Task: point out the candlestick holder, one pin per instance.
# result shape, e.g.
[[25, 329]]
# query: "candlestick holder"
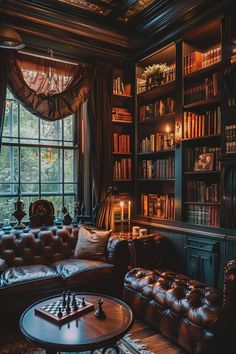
[[129, 228], [122, 227]]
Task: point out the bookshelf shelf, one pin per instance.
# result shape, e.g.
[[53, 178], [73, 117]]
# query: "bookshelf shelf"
[[155, 179], [202, 139], [122, 153], [204, 71], [155, 153], [209, 101], [201, 203], [158, 91], [201, 173], [121, 122], [155, 120], [123, 180], [122, 97]]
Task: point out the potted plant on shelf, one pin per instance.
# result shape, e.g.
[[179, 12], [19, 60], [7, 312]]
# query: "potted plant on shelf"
[[155, 74]]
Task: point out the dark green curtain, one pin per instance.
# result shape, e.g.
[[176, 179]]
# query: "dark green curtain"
[[3, 86], [100, 128]]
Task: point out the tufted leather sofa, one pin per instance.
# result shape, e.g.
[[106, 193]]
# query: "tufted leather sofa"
[[40, 263], [187, 312]]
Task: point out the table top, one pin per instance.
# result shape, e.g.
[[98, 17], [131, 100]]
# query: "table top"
[[85, 332]]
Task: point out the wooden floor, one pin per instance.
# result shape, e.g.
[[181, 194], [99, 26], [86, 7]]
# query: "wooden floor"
[[154, 342]]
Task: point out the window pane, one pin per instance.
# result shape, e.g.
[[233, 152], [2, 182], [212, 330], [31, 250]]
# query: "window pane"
[[51, 132], [57, 203], [10, 128], [29, 126], [70, 188], [69, 203], [51, 165], [29, 164], [68, 128], [51, 188], [7, 208], [69, 165], [29, 188], [8, 168]]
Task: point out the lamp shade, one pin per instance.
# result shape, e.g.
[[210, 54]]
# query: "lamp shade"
[[10, 39]]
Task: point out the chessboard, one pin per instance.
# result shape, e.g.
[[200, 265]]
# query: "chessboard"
[[62, 310]]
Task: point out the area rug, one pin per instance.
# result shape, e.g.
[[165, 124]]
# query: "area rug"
[[127, 345]]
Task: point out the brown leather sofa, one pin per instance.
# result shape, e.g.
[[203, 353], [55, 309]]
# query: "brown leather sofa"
[[188, 313], [40, 263]]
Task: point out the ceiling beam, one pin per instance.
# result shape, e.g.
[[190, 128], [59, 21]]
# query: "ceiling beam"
[[124, 5]]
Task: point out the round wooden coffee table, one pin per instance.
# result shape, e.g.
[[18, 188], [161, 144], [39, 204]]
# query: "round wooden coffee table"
[[85, 332]]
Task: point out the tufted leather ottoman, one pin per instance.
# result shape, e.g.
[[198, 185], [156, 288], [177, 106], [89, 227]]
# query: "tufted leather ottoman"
[[185, 311]]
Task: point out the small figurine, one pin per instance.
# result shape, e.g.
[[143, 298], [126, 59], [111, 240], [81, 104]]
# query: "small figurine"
[[67, 219], [100, 313]]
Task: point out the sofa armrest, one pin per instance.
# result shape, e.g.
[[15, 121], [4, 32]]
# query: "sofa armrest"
[[118, 252]]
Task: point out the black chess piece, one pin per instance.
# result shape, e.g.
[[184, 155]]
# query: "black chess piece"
[[59, 313], [64, 299], [68, 309], [73, 300], [83, 303], [99, 312], [75, 306], [68, 296]]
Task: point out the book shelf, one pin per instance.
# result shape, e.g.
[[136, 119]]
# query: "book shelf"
[[202, 125], [155, 144]]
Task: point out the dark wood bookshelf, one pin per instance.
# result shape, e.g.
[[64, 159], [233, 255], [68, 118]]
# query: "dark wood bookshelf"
[[158, 119], [201, 173], [123, 180], [208, 102], [158, 91], [122, 153], [204, 71], [202, 139], [155, 153], [202, 203], [155, 179], [121, 122]]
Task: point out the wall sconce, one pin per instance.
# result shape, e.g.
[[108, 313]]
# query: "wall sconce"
[[173, 139], [10, 39]]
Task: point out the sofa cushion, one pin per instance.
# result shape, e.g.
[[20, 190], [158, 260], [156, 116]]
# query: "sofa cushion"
[[82, 272], [91, 244], [17, 276]]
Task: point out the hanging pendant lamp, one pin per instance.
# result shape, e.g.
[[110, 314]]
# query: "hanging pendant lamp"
[[10, 39]]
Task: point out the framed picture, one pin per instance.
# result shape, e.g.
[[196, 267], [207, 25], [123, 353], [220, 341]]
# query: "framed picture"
[[204, 162]]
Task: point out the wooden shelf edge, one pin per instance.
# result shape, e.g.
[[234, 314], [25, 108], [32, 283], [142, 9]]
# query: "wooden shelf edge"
[[202, 71], [202, 203], [157, 118], [154, 152], [190, 173], [122, 121], [158, 90], [181, 227], [155, 179], [212, 100], [199, 138]]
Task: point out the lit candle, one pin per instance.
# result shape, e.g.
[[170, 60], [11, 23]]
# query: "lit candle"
[[167, 128], [122, 211], [129, 209]]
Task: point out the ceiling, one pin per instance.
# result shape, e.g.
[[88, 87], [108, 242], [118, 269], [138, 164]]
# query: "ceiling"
[[115, 30]]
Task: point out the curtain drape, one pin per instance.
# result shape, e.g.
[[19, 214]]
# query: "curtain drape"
[[3, 84], [100, 127], [42, 92]]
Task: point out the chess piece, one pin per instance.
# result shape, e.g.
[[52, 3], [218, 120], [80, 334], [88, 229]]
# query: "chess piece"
[[68, 309], [83, 302], [59, 313], [19, 212], [67, 219], [100, 313], [64, 299], [68, 296]]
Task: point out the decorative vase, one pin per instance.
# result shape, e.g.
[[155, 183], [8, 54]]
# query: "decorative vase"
[[19, 212]]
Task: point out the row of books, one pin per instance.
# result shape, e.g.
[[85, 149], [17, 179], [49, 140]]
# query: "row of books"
[[192, 155], [121, 114], [203, 215], [203, 89], [121, 143], [158, 206], [230, 138], [157, 142], [118, 86], [122, 169], [160, 169], [159, 108], [168, 75], [197, 60], [203, 192], [206, 123]]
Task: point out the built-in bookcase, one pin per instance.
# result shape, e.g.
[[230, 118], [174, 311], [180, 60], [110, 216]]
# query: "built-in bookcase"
[[155, 148]]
